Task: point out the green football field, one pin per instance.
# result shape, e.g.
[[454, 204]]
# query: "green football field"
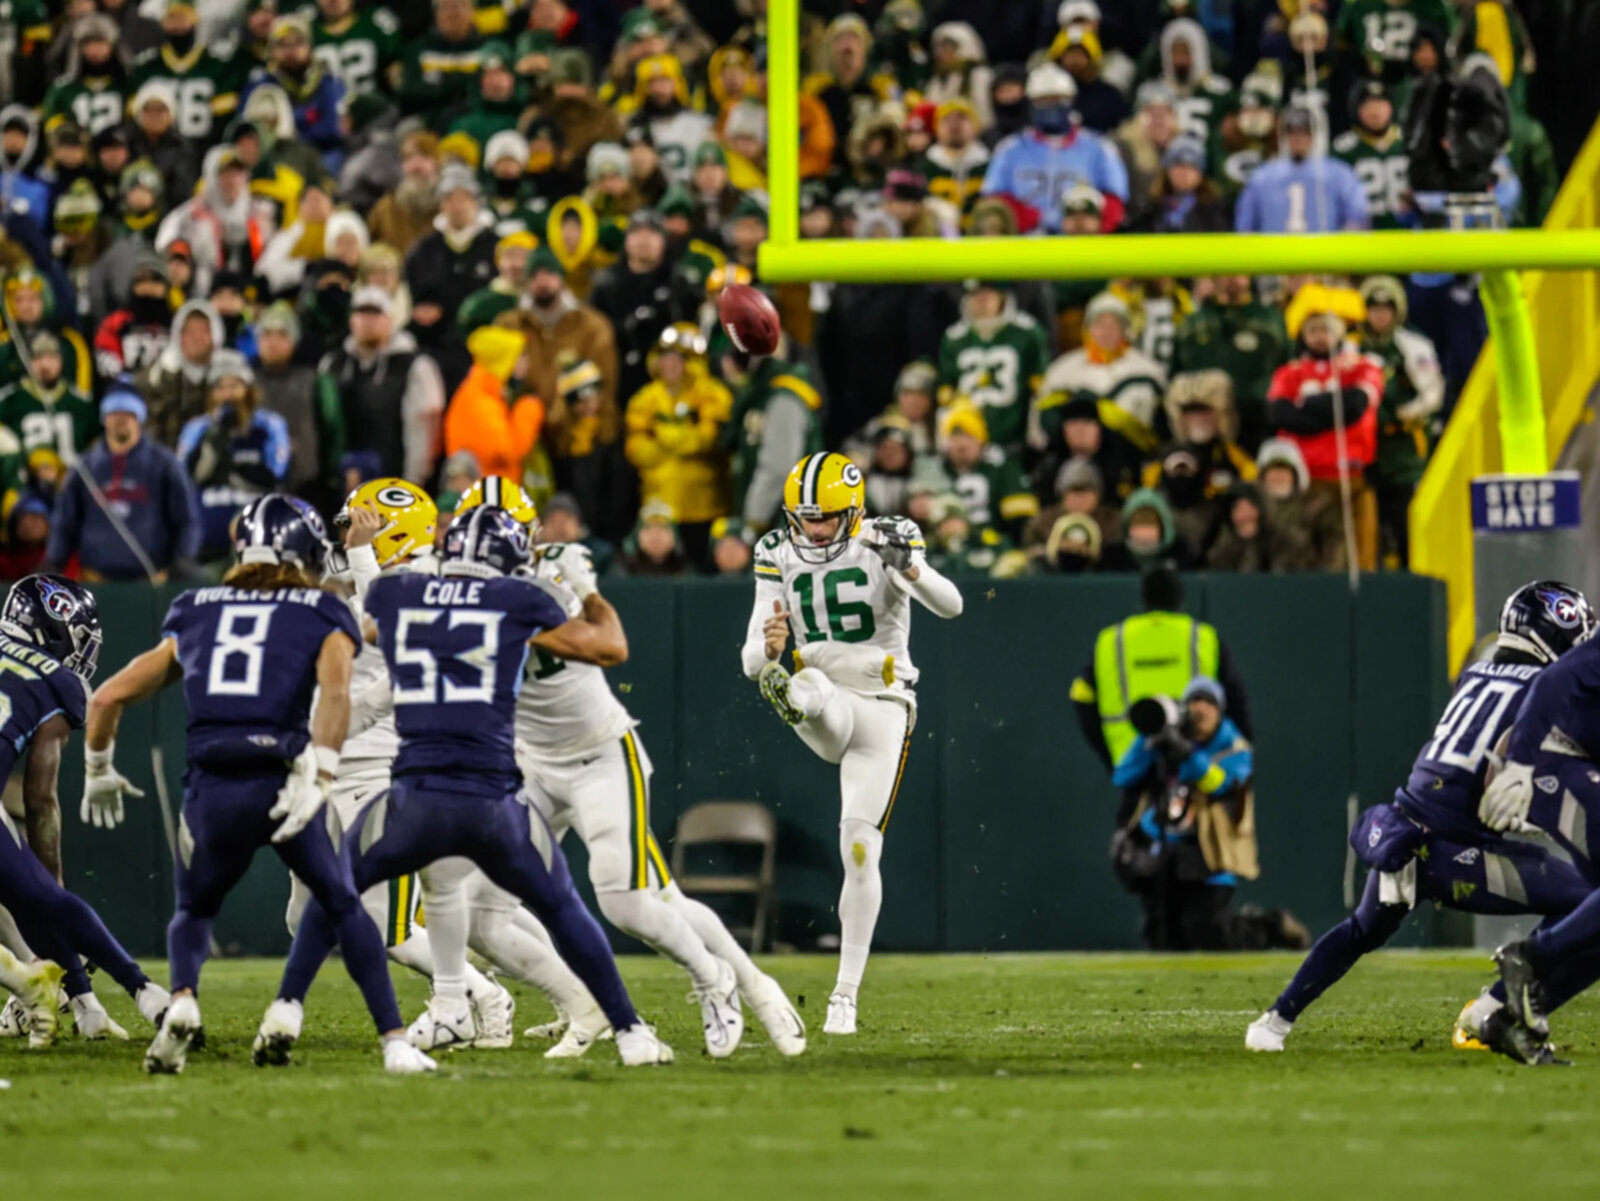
[[973, 1077]]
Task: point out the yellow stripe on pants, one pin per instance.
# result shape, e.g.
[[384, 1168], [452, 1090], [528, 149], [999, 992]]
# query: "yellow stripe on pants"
[[899, 774], [641, 813]]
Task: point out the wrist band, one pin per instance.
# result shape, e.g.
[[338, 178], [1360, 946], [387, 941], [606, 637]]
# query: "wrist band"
[[98, 762], [327, 760]]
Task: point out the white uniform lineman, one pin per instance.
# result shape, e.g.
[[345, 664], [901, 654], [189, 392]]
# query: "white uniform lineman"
[[844, 595], [587, 771]]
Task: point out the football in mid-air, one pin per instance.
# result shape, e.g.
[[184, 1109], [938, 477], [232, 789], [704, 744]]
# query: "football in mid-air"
[[749, 318]]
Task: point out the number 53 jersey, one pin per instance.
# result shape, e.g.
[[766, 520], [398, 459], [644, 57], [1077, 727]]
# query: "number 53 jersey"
[[249, 664], [850, 617]]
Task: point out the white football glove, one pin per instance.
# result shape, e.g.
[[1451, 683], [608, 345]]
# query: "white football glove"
[[895, 540], [574, 567], [1505, 802], [103, 786], [301, 798]]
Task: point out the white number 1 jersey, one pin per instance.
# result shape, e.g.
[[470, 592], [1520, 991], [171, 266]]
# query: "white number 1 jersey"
[[852, 601]]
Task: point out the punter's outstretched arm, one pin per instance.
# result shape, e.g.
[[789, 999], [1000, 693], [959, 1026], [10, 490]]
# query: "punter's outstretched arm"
[[936, 591]]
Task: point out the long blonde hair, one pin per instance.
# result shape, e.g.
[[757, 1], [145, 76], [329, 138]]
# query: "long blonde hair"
[[269, 577]]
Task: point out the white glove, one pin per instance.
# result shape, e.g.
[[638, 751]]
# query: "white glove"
[[103, 787], [895, 540], [573, 566], [301, 798], [1505, 802]]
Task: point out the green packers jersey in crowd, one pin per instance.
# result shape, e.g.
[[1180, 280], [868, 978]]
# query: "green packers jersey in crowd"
[[95, 104], [62, 419], [1383, 30], [207, 81], [998, 374], [1200, 114], [436, 73], [359, 49], [995, 492], [1382, 166]]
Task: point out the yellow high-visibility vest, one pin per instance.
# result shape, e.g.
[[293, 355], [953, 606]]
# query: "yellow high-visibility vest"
[[1152, 654]]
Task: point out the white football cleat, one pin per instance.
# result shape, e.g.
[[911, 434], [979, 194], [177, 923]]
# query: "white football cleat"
[[548, 1031], [781, 1019], [583, 1031], [1267, 1032], [841, 1015], [92, 1020], [446, 1023], [13, 1019], [495, 1016], [40, 997], [720, 1015], [152, 1001], [639, 1047], [279, 1031], [401, 1058], [169, 1051]]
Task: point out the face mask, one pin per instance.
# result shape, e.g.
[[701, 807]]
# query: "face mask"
[[334, 301], [1010, 115], [507, 188], [150, 310], [1052, 119], [231, 326], [1184, 490], [182, 43]]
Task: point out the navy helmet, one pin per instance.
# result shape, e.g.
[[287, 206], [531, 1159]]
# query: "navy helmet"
[[485, 541], [57, 615], [281, 529], [1545, 619]]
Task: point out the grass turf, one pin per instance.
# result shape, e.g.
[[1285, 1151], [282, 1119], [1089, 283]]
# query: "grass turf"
[[973, 1077]]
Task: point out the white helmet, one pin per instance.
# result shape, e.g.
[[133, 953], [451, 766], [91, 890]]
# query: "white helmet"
[[1048, 81]]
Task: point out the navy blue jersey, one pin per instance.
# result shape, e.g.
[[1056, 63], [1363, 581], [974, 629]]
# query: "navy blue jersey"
[[34, 687], [456, 648], [1562, 711], [1446, 780], [249, 664]]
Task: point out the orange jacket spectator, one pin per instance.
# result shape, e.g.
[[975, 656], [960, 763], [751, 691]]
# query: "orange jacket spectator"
[[481, 418]]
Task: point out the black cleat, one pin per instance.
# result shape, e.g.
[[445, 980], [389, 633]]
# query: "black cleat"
[[1506, 1036], [1524, 993]]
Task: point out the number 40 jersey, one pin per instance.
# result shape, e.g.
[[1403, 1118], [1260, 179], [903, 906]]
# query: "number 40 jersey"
[[850, 601], [1447, 779]]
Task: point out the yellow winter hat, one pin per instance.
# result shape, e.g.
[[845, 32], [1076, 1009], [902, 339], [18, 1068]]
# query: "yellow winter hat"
[[496, 349], [961, 414]]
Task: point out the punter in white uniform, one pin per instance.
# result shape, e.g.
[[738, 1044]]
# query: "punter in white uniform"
[[844, 593], [587, 771]]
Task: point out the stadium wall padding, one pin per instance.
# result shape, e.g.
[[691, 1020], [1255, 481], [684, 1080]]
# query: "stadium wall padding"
[[998, 838]]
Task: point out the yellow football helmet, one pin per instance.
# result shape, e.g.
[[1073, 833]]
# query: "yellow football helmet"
[[822, 486], [510, 496], [409, 518]]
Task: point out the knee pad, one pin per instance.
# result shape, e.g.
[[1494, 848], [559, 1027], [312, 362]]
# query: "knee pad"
[[860, 846], [810, 691]]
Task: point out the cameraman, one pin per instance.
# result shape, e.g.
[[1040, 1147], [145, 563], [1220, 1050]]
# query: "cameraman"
[[235, 452], [1187, 833]]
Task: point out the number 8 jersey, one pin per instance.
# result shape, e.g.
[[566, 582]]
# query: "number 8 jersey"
[[249, 664], [850, 602]]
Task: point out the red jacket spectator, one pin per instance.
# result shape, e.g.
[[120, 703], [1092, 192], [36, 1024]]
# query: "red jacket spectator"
[[1300, 404]]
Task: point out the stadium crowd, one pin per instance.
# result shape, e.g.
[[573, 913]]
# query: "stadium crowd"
[[251, 246]]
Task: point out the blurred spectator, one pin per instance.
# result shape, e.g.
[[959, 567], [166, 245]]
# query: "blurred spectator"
[[1084, 15], [960, 70], [438, 69], [774, 421], [228, 298], [955, 163], [1244, 542], [1304, 191], [1101, 105], [1008, 100], [845, 88], [1077, 426], [459, 472], [504, 292], [1074, 545], [1413, 392], [316, 93], [1032, 170], [1109, 366], [730, 553], [1201, 462], [31, 309], [389, 391], [1078, 489], [906, 200], [25, 510], [674, 439], [1143, 138], [1235, 333], [496, 102], [402, 217], [175, 384], [1376, 150], [457, 258], [561, 520], [891, 466], [662, 110], [1308, 528], [641, 297], [1456, 127], [93, 88], [488, 414], [1183, 200], [154, 137], [1249, 136], [995, 356], [580, 116], [557, 324], [218, 224], [588, 452], [1381, 32], [1149, 536], [140, 194], [235, 451], [147, 498], [958, 546], [1327, 386], [44, 410], [314, 417], [653, 548], [992, 487], [132, 337], [1203, 96]]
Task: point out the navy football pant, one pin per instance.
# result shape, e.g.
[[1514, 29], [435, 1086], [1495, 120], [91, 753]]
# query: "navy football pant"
[[1567, 953], [58, 925], [1499, 876], [423, 819], [224, 824]]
